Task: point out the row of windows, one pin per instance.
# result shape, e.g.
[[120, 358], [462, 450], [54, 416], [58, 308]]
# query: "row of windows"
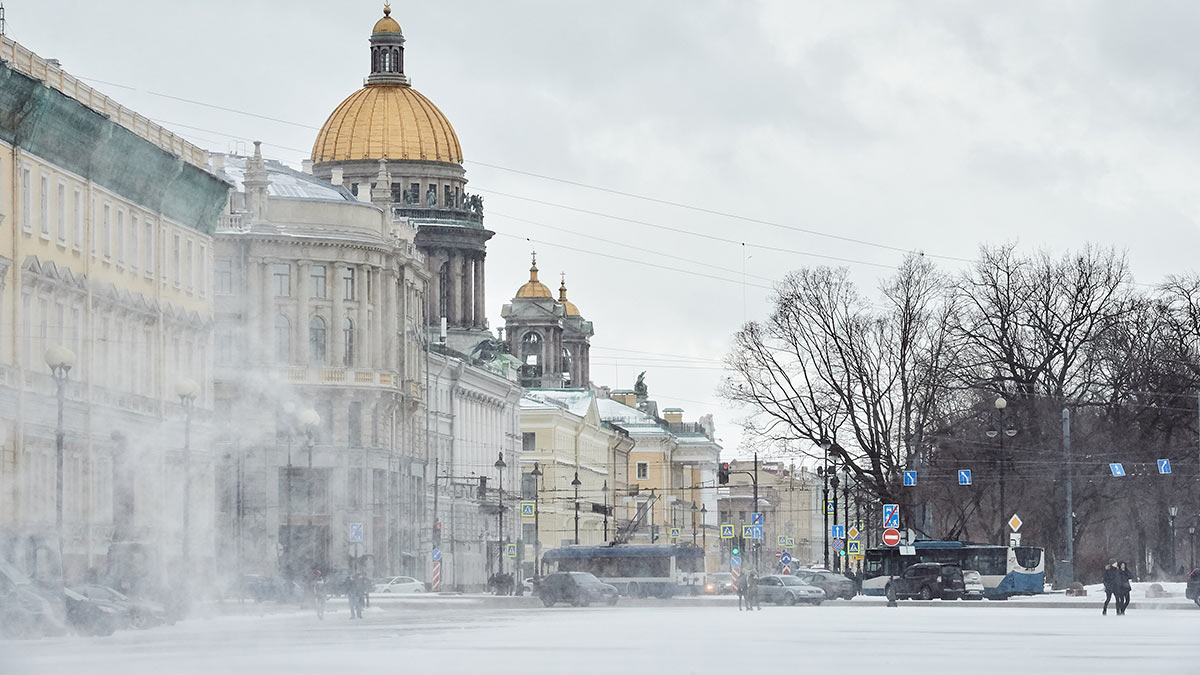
[[117, 235], [281, 280], [318, 342]]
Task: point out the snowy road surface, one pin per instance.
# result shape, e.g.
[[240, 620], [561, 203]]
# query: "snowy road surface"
[[974, 639]]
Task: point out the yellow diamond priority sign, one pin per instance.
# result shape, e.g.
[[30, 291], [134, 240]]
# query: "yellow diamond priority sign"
[[1015, 522], [852, 532]]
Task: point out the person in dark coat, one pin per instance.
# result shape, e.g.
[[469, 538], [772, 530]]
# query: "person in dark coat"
[[1124, 586], [1112, 581], [742, 586]]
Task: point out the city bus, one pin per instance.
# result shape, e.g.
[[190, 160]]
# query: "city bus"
[[637, 570], [1005, 571]]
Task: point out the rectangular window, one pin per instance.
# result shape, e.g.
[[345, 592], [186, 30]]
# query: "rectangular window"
[[316, 280], [176, 270], [93, 228], [26, 200], [281, 276], [528, 486], [528, 441], [148, 373], [354, 425], [133, 241], [203, 263], [26, 332], [367, 277], [61, 215], [222, 276], [149, 244], [189, 263], [354, 480], [120, 237], [77, 334], [643, 470], [106, 232], [44, 203], [77, 220], [223, 353], [348, 283]]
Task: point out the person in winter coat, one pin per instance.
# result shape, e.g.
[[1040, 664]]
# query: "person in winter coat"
[[743, 592], [1112, 582], [1124, 586]]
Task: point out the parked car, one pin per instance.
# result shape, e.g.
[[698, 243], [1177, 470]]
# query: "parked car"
[[927, 581], [398, 585], [1193, 586], [835, 585], [719, 583], [972, 585], [578, 588], [530, 584], [273, 589], [90, 617], [133, 613], [785, 589]]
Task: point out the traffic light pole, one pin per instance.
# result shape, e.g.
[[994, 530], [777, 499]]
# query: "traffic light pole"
[[723, 478]]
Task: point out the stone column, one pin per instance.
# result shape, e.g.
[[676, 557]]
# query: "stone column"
[[362, 349], [454, 312], [300, 330], [468, 291], [480, 305], [390, 315], [269, 313], [434, 293], [333, 336]]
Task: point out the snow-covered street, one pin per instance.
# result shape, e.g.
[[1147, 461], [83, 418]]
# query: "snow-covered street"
[[985, 638]]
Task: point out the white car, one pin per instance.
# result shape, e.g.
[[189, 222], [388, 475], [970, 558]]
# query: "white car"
[[398, 585], [972, 585]]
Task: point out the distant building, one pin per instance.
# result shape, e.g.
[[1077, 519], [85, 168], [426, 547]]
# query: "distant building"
[[789, 499], [549, 337], [107, 252]]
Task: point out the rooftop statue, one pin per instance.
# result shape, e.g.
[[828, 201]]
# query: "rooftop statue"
[[639, 387]]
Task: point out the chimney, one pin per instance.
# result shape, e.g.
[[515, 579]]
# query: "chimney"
[[673, 415], [336, 178], [306, 166], [218, 162], [625, 397]]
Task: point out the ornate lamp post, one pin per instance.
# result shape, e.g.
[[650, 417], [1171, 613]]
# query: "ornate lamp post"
[[1009, 431], [310, 420], [604, 491], [704, 534], [575, 483], [1171, 513], [500, 511], [823, 472], [187, 389], [694, 510], [1192, 536], [60, 359], [537, 530], [833, 482]]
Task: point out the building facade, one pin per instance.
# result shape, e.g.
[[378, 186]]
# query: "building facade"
[[550, 337], [789, 499], [107, 253]]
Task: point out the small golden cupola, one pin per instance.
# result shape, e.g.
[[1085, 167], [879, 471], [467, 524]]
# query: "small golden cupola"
[[534, 288], [568, 306]]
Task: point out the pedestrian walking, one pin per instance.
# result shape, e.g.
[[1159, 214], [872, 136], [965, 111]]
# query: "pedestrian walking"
[[319, 594], [356, 595], [1112, 582], [1124, 586], [752, 593], [742, 592]]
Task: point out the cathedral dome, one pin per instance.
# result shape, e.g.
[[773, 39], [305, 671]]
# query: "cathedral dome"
[[387, 121], [387, 118], [534, 288]]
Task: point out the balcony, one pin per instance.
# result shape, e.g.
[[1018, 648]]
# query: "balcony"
[[436, 215], [338, 376]]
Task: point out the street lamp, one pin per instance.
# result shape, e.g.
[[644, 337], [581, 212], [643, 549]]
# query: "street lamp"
[[694, 524], [187, 390], [1009, 431], [500, 511], [604, 491], [537, 530], [704, 533], [1192, 536], [823, 472], [60, 359], [309, 421], [1171, 513], [575, 483], [833, 483]]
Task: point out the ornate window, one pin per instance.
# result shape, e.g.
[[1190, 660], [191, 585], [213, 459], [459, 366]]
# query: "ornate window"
[[531, 355], [283, 339], [316, 340], [281, 278], [317, 280], [444, 290], [348, 340]]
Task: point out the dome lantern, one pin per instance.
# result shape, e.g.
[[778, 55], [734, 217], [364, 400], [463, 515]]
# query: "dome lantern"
[[568, 307], [387, 51], [534, 288]]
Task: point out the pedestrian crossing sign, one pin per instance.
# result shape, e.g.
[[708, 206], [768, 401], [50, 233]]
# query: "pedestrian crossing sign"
[[727, 531], [674, 532], [791, 541], [782, 540], [828, 507], [747, 532], [511, 550], [853, 547], [527, 509]]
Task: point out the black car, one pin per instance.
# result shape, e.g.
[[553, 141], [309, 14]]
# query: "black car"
[[133, 613], [578, 588], [927, 581], [835, 585], [1193, 586]]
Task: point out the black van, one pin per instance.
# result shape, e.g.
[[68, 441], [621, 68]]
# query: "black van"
[[926, 581]]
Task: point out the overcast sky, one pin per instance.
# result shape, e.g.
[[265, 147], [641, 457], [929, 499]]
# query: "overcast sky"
[[935, 126]]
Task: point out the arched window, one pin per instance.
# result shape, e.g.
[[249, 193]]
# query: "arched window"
[[531, 355], [566, 365], [444, 290], [316, 340], [283, 339], [348, 340]]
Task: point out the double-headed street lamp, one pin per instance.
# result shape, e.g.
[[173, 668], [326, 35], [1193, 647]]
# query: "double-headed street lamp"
[[694, 510], [309, 421], [704, 530], [604, 491], [500, 511], [60, 359], [576, 483], [187, 389], [1009, 431], [537, 530], [1171, 513]]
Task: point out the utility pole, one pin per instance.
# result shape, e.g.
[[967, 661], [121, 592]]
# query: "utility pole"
[[1067, 574], [757, 544]]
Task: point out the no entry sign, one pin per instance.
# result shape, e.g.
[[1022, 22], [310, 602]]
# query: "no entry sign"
[[891, 537]]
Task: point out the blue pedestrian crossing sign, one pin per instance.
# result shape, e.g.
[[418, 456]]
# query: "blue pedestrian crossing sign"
[[1117, 469], [356, 533], [752, 532], [910, 479], [791, 541], [527, 509], [837, 531], [854, 547], [829, 507], [727, 531], [510, 550], [891, 515], [756, 519], [1164, 466], [964, 476], [786, 558], [781, 540], [674, 532]]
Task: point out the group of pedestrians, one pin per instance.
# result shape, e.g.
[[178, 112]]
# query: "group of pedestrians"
[[358, 593], [1117, 584], [747, 592]]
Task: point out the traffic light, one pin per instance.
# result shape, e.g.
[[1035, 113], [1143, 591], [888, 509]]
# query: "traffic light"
[[736, 550], [723, 473], [482, 488], [437, 533]]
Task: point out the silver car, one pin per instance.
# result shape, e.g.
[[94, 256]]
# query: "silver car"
[[784, 589]]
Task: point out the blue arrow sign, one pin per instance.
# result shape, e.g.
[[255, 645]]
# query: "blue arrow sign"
[[891, 515], [1117, 469], [910, 479], [437, 555], [786, 558], [756, 531], [1164, 466], [964, 476], [735, 561], [837, 531]]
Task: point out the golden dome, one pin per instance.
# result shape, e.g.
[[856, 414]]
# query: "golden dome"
[[534, 288], [387, 121], [387, 24], [568, 306]]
